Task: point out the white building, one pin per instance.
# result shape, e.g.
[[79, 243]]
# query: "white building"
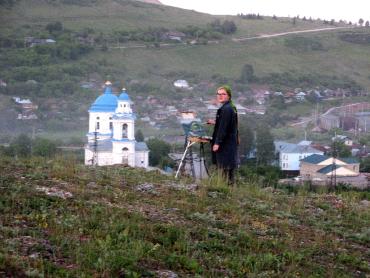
[[181, 84], [290, 154], [111, 136]]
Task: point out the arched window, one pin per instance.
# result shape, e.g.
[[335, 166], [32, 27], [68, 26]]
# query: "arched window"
[[124, 131], [97, 125]]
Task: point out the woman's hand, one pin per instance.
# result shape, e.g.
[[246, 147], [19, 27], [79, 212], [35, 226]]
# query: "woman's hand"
[[211, 122], [215, 147]]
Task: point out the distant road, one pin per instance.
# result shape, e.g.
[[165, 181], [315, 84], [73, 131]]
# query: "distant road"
[[262, 36]]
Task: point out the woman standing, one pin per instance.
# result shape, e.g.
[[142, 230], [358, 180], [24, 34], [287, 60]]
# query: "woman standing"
[[224, 141]]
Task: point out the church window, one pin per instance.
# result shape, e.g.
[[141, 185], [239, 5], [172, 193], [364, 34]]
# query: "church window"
[[124, 131], [110, 125], [97, 125], [97, 118], [124, 105]]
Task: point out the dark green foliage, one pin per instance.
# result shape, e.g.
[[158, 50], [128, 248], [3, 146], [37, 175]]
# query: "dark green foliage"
[[139, 136], [44, 147], [252, 16], [227, 27], [54, 27], [289, 80], [357, 38], [246, 137], [247, 73], [339, 149], [22, 146], [365, 165], [158, 151], [264, 145]]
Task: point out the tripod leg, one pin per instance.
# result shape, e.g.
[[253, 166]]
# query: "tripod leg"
[[189, 144]]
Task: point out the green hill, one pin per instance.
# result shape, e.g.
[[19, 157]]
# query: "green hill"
[[61, 219], [122, 40]]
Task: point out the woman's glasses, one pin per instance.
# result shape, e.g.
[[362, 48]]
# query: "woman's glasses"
[[221, 94]]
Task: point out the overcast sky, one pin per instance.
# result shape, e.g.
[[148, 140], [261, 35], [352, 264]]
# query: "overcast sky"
[[350, 10]]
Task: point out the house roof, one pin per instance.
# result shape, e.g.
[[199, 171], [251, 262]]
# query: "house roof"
[[328, 169], [141, 146], [294, 148], [349, 160], [315, 158]]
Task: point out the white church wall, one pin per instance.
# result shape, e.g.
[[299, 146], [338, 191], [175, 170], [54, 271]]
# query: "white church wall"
[[141, 159], [103, 118], [117, 129], [103, 158]]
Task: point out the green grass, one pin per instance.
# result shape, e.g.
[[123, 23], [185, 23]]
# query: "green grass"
[[108, 228]]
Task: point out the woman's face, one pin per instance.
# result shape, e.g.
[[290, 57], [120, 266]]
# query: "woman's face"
[[222, 96]]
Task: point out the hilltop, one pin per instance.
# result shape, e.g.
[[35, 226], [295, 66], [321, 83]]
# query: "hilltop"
[[59, 218], [129, 43]]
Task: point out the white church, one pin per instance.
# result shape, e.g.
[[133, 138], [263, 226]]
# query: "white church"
[[111, 136]]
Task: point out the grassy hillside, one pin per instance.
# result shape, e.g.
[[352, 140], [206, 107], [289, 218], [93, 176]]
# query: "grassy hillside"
[[61, 219], [306, 60]]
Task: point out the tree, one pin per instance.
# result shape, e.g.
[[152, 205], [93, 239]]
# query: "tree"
[[139, 136], [44, 147], [54, 27], [246, 138], [22, 145], [265, 149], [247, 73], [339, 149], [228, 27], [365, 165], [361, 21], [158, 151]]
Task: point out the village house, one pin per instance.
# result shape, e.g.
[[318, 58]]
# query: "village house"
[[289, 155], [31, 41], [322, 167], [28, 109], [182, 84], [301, 96], [344, 139], [174, 36]]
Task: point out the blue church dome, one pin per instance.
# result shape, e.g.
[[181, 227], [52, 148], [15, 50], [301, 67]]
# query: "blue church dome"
[[107, 102], [124, 96]]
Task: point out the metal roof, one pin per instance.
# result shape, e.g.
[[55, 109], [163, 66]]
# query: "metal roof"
[[107, 102], [141, 146], [329, 168], [315, 158]]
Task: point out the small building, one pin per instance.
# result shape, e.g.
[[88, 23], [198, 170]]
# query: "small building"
[[174, 36], [318, 166], [290, 155], [183, 84], [301, 96]]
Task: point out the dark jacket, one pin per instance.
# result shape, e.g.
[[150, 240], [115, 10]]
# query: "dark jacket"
[[225, 135]]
